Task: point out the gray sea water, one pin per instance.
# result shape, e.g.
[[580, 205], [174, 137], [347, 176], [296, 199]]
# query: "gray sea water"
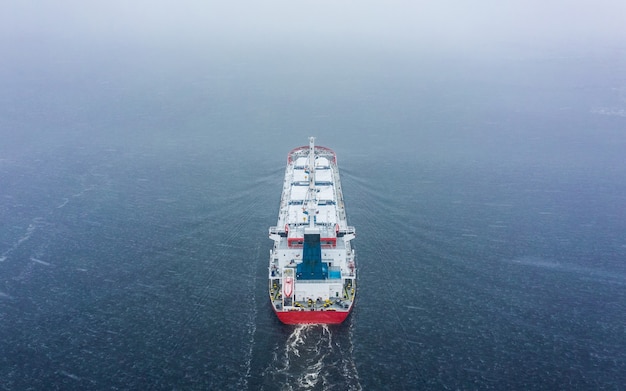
[[488, 193]]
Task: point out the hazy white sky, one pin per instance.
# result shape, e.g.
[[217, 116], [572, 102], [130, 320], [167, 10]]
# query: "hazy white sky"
[[445, 23]]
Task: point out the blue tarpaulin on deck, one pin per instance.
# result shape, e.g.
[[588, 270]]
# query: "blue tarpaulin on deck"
[[312, 267]]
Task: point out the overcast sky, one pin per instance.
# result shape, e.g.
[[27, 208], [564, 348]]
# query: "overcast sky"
[[442, 23]]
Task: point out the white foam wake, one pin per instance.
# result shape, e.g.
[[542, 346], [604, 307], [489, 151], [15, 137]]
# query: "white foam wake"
[[312, 357], [296, 339]]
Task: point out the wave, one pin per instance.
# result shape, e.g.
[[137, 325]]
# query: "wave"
[[39, 261], [5, 296], [549, 264], [30, 230], [315, 357], [614, 111]]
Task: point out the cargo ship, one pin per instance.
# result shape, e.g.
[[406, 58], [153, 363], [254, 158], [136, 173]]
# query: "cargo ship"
[[312, 270]]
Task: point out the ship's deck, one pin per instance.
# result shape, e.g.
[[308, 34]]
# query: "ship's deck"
[[332, 288]]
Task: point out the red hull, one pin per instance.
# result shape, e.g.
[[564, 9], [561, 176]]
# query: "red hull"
[[312, 317]]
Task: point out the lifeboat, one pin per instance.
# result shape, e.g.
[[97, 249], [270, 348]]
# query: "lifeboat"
[[288, 286]]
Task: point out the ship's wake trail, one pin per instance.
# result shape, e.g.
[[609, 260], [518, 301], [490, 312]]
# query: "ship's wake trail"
[[314, 357]]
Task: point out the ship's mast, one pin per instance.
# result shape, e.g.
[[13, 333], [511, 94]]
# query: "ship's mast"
[[312, 193]]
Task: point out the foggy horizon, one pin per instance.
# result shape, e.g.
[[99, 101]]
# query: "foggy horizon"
[[450, 27]]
